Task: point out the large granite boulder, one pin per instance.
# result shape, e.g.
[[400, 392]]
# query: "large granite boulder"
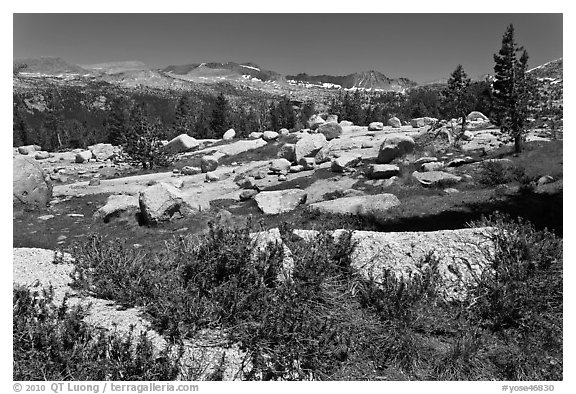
[[28, 149], [467, 135], [376, 126], [41, 155], [332, 118], [83, 157], [280, 201], [190, 170], [280, 165], [180, 144], [209, 163], [476, 116], [160, 202], [309, 145], [345, 162], [436, 178], [247, 194], [270, 135], [315, 121], [229, 135], [102, 152], [394, 122], [425, 159], [432, 166], [118, 206], [31, 187], [330, 130], [393, 147], [288, 152], [307, 163], [421, 122], [382, 171]]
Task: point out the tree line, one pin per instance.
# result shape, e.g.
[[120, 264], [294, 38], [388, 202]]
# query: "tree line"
[[57, 126]]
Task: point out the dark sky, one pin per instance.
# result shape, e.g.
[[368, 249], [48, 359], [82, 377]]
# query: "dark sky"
[[422, 47]]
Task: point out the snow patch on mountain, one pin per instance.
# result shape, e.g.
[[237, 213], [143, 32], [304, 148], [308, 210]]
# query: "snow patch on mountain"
[[253, 68]]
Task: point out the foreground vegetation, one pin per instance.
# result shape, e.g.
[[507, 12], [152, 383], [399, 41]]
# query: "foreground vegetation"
[[324, 323]]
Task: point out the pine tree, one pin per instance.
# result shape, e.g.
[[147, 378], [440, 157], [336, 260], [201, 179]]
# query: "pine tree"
[[52, 123], [183, 117], [352, 108], [143, 140], [252, 121], [282, 114], [335, 107], [219, 122], [20, 135], [118, 121], [458, 94], [510, 88], [202, 126]]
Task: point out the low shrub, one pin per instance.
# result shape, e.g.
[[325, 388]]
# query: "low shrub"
[[325, 320], [493, 173], [520, 297], [52, 342]]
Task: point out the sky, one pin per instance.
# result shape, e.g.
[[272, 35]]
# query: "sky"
[[422, 47]]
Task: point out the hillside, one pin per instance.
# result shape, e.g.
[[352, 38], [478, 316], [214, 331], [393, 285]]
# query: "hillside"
[[49, 66], [116, 67], [552, 70], [369, 80], [226, 70]]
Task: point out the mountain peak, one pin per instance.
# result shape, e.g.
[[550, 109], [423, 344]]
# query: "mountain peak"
[[49, 65]]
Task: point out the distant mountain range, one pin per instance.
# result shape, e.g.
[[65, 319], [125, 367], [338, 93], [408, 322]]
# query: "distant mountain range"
[[248, 75]]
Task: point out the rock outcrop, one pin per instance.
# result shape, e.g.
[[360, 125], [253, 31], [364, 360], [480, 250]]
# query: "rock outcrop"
[[358, 205], [31, 187], [280, 201], [461, 255]]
